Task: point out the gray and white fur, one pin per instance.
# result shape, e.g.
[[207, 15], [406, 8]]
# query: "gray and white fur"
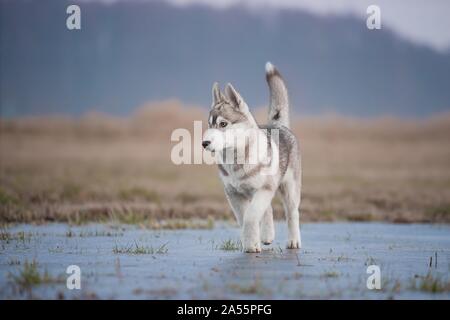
[[250, 186]]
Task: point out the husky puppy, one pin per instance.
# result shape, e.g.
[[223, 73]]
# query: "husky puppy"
[[251, 185]]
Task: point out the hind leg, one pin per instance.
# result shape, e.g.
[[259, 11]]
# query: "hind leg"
[[267, 227], [290, 191]]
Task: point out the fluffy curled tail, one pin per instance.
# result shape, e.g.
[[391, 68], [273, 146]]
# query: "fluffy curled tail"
[[279, 101]]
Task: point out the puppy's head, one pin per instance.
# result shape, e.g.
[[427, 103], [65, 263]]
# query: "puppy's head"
[[228, 119]]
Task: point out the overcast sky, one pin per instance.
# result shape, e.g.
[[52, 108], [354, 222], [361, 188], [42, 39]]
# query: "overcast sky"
[[422, 21]]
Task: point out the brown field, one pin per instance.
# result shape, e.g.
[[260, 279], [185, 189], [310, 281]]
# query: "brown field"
[[101, 168]]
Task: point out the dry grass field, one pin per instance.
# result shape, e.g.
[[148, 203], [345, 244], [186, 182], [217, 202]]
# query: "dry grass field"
[[102, 168]]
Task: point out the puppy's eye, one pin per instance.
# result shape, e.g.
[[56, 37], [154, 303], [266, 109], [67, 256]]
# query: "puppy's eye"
[[222, 124]]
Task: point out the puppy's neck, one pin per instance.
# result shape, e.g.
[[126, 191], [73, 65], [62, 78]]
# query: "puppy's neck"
[[255, 150]]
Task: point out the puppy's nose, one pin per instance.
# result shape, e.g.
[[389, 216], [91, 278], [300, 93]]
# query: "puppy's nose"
[[206, 143]]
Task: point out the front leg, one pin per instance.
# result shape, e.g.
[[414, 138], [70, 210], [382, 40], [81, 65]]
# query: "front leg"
[[267, 227], [251, 241], [238, 203]]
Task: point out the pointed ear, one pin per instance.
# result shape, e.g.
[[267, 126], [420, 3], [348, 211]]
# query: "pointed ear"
[[217, 96], [235, 97]]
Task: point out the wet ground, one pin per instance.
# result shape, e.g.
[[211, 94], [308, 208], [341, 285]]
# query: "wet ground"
[[126, 262]]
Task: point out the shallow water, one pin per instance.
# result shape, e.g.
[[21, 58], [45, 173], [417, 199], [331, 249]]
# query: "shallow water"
[[331, 265]]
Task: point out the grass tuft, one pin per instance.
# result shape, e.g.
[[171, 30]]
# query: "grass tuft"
[[140, 249], [19, 236], [30, 276], [430, 283], [230, 245], [96, 233]]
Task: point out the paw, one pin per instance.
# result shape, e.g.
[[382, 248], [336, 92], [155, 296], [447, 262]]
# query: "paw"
[[252, 249], [267, 239], [251, 246], [251, 238], [267, 234], [294, 244]]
